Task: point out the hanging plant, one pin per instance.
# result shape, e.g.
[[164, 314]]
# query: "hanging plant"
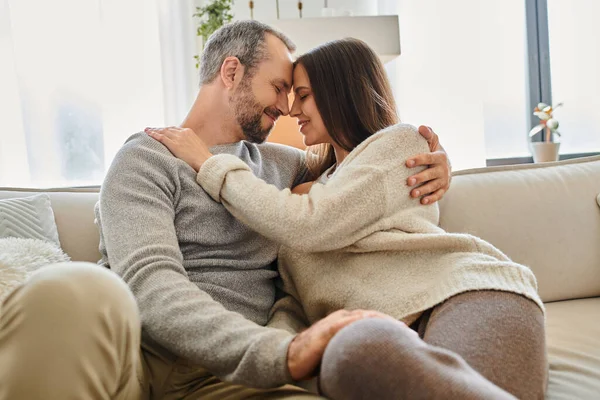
[[212, 16]]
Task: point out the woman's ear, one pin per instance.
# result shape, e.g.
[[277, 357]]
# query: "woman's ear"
[[229, 69]]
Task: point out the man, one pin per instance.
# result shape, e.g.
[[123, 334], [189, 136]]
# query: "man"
[[203, 282]]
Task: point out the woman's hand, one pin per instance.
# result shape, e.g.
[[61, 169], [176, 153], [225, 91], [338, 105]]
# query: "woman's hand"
[[183, 143]]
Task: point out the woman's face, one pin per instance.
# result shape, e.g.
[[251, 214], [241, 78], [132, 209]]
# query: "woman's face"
[[305, 109]]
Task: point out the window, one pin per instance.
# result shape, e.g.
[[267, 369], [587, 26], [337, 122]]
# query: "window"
[[464, 70], [78, 77], [574, 66]]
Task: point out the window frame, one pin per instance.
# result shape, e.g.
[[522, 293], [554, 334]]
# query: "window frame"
[[539, 75]]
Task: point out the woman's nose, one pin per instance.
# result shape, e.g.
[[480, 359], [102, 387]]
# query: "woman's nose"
[[295, 110]]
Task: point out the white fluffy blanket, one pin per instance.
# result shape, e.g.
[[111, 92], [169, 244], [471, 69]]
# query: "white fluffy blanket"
[[19, 258]]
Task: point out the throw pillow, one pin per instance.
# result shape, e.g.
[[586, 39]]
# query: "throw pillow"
[[28, 218], [19, 258]]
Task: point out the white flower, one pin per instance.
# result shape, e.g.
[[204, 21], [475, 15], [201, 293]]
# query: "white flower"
[[552, 124], [542, 115]]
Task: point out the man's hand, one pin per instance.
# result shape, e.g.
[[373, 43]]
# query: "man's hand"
[[436, 178], [307, 348]]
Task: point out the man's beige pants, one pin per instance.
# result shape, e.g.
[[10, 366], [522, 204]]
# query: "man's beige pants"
[[73, 332]]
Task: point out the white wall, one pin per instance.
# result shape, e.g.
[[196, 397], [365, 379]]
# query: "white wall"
[[575, 66], [462, 71], [431, 74]]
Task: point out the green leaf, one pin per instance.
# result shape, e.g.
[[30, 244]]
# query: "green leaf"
[[213, 16]]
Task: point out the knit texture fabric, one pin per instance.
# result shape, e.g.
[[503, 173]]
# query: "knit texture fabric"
[[203, 281], [360, 240]]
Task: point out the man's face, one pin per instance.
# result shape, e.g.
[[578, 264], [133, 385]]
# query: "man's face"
[[263, 97]]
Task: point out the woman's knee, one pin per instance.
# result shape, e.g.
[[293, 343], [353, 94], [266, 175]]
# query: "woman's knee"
[[369, 346], [500, 334]]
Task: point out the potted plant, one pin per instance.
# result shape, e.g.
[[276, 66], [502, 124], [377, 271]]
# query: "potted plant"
[[212, 16], [547, 149]]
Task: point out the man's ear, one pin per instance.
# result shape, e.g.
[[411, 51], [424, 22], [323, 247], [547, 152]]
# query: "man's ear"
[[230, 68]]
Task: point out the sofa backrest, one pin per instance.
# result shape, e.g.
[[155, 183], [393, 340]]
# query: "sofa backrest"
[[544, 216], [74, 216]]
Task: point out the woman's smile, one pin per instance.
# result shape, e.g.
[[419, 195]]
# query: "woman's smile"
[[302, 124]]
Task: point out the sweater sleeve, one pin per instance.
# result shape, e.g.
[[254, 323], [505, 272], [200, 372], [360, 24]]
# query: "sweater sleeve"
[[287, 312], [137, 221], [329, 217]]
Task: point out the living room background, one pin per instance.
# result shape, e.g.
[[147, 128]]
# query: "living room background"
[[79, 76]]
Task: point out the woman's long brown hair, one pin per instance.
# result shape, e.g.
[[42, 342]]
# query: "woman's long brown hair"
[[352, 94]]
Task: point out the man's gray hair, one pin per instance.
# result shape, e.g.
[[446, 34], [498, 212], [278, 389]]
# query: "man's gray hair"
[[245, 40]]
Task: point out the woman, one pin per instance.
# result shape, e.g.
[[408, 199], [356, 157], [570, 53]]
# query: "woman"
[[354, 238]]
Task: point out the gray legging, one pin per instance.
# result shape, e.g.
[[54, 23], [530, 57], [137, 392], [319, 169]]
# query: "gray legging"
[[475, 345]]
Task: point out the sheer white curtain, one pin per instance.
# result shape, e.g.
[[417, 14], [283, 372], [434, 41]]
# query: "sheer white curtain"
[[79, 76]]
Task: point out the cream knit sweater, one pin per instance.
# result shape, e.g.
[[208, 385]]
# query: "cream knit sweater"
[[360, 240]]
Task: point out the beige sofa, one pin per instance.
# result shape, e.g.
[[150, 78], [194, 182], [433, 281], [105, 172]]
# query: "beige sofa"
[[545, 216]]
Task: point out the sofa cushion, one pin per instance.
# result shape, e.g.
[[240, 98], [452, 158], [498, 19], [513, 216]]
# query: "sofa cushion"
[[544, 216], [28, 218], [19, 258], [573, 340], [74, 215]]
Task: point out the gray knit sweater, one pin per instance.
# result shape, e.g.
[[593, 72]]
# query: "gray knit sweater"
[[202, 279]]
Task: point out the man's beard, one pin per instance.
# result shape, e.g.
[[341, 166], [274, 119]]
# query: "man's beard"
[[248, 113]]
